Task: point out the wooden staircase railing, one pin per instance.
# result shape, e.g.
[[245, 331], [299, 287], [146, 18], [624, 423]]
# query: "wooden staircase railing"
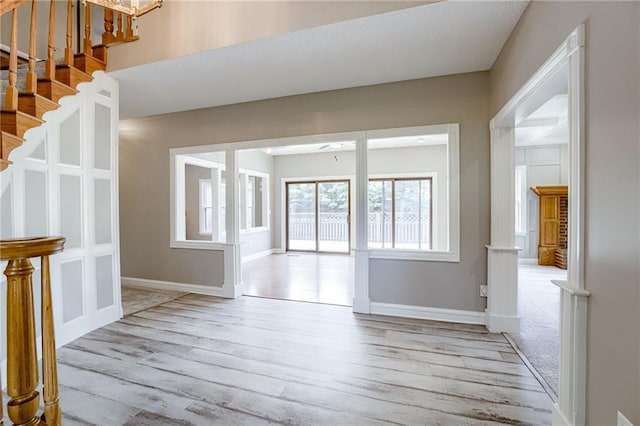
[[22, 358], [25, 105]]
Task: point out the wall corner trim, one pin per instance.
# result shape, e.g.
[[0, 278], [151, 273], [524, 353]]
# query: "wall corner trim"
[[557, 418], [173, 286], [422, 312]]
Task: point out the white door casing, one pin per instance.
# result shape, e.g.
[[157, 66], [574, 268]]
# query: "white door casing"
[[502, 254]]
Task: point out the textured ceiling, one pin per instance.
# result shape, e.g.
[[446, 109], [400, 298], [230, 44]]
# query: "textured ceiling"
[[448, 37]]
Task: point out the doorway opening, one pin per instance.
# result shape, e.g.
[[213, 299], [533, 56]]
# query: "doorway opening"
[[310, 198], [561, 76], [318, 216], [541, 173]]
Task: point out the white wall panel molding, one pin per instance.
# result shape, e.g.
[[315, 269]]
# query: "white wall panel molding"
[[41, 153]]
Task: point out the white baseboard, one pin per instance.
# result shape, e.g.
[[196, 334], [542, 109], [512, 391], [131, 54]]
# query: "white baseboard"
[[258, 255], [168, 285], [557, 418], [502, 323], [421, 312]]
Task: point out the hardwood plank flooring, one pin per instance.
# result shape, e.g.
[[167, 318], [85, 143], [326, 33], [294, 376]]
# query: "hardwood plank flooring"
[[201, 360], [307, 277]]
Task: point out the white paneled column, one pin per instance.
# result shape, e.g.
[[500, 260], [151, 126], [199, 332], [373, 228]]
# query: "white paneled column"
[[571, 406], [502, 261], [232, 286], [361, 302]]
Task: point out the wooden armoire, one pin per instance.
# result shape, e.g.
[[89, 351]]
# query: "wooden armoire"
[[552, 243]]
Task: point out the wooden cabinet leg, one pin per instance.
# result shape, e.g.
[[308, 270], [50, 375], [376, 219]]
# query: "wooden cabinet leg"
[[22, 367]]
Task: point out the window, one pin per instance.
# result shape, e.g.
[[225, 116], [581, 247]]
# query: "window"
[[400, 213], [254, 199], [413, 193], [206, 207], [521, 199]]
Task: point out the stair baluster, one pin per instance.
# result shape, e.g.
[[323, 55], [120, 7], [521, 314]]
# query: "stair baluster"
[[11, 100], [130, 34], [88, 48], [68, 51], [31, 74], [50, 70], [107, 36], [52, 413], [119, 33]]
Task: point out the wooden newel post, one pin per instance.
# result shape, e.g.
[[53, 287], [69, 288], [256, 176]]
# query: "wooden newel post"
[[22, 358], [22, 367]]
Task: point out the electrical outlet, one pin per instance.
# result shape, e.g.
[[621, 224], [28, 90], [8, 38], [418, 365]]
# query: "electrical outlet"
[[484, 291], [623, 421]]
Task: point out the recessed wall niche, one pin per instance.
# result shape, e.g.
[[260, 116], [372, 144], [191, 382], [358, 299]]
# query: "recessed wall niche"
[[35, 200], [70, 140], [102, 151], [104, 280], [71, 210], [72, 297], [102, 194]]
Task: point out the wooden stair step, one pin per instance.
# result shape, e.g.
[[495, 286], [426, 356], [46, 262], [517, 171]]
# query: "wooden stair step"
[[8, 143], [4, 164], [54, 90], [17, 122], [71, 76], [88, 64], [35, 104]]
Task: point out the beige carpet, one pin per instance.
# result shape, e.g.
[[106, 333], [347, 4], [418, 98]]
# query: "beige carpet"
[[137, 299]]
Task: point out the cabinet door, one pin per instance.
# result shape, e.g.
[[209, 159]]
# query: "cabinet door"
[[549, 220]]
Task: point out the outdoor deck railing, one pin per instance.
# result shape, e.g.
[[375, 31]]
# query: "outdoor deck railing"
[[335, 227]]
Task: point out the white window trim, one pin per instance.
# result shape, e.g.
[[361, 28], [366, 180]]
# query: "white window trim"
[[453, 185], [201, 216], [266, 198]]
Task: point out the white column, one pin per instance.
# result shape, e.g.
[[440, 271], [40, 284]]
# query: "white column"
[[361, 302], [232, 286], [502, 261], [215, 204], [571, 406]]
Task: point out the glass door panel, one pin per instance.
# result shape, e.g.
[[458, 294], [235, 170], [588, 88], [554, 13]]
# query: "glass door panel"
[[407, 199], [380, 211], [333, 216], [301, 216]]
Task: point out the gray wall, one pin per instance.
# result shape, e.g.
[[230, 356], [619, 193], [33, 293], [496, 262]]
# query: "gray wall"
[[612, 231], [464, 98]]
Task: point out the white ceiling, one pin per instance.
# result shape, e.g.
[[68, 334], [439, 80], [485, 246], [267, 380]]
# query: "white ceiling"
[[547, 125], [443, 38]]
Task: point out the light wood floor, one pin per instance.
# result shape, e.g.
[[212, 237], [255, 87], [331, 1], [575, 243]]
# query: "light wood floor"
[[202, 360], [307, 277]]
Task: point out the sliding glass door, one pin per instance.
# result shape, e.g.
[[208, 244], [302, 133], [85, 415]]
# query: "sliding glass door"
[[318, 216]]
